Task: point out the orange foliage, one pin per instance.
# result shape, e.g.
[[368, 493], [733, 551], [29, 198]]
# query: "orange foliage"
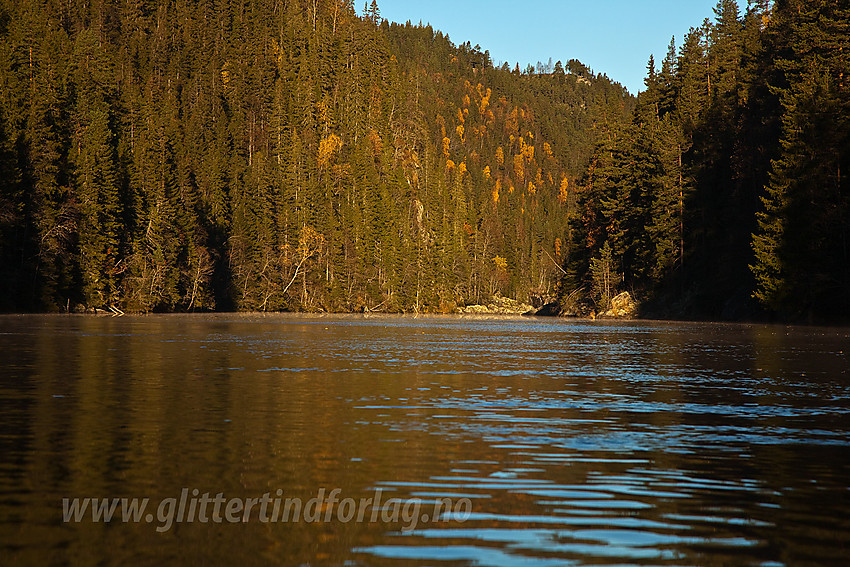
[[563, 193], [324, 116], [519, 167], [328, 148], [485, 102], [377, 143]]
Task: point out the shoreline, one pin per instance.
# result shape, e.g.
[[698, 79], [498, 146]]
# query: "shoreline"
[[343, 315]]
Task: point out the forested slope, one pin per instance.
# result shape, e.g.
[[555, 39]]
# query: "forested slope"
[[182, 155], [726, 196], [279, 155]]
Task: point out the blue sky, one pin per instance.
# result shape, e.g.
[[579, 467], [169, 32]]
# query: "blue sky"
[[615, 37]]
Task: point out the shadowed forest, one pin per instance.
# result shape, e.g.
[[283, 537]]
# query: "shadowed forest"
[[182, 155]]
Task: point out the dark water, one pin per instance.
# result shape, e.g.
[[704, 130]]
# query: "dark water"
[[575, 443]]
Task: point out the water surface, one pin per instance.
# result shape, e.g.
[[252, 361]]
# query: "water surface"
[[576, 443]]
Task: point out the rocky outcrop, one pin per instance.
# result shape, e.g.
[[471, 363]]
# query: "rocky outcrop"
[[498, 306], [621, 306], [551, 309]]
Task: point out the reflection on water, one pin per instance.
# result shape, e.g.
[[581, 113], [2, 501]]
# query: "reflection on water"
[[576, 442]]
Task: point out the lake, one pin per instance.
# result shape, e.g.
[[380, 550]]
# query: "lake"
[[396, 440]]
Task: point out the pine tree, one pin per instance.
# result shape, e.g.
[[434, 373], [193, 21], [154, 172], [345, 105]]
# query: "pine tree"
[[605, 277]]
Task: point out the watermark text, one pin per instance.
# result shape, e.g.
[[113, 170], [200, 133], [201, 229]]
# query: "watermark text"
[[192, 506]]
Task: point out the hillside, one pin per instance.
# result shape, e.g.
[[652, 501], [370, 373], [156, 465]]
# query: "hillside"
[[259, 155]]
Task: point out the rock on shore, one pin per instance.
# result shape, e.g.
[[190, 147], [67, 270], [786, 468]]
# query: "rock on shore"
[[498, 306], [621, 306]]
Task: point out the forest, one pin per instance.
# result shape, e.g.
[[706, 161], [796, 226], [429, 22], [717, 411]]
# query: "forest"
[[308, 155], [723, 197]]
